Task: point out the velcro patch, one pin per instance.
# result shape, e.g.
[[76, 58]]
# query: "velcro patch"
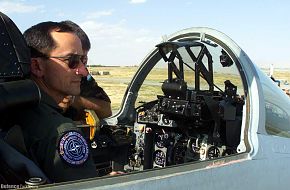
[[73, 148]]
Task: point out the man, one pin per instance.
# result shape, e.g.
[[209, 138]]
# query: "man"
[[92, 96], [52, 140]]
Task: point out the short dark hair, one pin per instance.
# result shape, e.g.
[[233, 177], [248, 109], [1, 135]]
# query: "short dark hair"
[[39, 39], [86, 44]]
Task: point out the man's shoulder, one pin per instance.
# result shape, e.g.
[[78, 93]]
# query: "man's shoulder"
[[91, 89], [43, 119], [43, 112]]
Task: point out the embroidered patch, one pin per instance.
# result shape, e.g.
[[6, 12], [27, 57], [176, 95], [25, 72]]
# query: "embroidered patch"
[[73, 148]]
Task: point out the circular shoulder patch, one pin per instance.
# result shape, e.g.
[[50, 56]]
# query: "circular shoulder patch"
[[73, 148]]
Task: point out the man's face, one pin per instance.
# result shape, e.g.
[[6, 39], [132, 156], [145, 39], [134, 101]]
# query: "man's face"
[[58, 77]]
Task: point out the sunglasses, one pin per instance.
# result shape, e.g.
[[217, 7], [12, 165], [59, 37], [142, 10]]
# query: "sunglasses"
[[72, 60]]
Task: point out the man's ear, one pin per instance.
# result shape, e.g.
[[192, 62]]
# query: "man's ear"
[[37, 67]]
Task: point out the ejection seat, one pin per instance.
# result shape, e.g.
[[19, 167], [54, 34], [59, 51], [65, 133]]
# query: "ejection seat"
[[16, 92]]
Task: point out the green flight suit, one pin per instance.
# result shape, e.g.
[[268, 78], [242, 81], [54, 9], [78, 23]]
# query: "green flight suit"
[[55, 143], [91, 89]]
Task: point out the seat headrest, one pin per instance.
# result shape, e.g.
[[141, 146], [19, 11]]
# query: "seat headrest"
[[14, 67], [14, 52], [18, 94]]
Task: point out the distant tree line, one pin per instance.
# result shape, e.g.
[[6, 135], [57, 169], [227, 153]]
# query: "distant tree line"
[[101, 66], [111, 66]]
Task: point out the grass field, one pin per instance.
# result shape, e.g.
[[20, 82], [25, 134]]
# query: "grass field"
[[115, 84]]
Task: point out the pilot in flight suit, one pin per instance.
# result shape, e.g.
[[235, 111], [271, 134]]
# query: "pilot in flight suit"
[[52, 140], [54, 143]]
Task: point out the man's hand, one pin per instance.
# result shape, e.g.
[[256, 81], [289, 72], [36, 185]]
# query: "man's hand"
[[66, 102]]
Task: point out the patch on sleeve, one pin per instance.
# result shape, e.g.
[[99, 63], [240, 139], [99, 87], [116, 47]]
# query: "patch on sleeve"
[[73, 148]]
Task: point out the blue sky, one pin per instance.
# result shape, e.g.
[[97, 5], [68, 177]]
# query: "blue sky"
[[122, 32]]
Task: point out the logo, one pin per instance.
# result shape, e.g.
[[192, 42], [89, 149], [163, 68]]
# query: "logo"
[[73, 148]]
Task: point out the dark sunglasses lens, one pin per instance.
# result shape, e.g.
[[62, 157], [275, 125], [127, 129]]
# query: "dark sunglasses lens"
[[74, 61]]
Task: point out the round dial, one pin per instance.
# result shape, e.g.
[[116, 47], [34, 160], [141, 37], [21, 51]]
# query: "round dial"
[[159, 158]]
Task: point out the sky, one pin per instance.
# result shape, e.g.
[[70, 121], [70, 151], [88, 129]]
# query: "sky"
[[123, 32]]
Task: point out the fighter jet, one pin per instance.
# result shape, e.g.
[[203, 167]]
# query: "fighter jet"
[[216, 121]]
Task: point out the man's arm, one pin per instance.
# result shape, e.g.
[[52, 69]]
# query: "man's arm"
[[93, 97], [101, 107]]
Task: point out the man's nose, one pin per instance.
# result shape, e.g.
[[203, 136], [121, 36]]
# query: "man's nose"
[[82, 70]]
